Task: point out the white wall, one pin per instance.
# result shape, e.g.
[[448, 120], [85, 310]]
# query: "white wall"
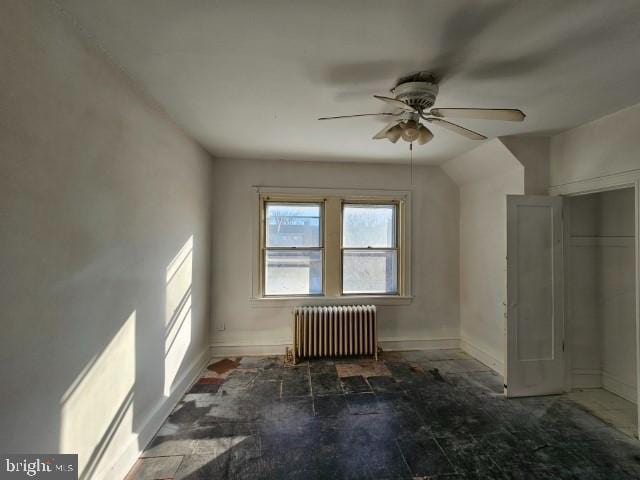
[[533, 154], [105, 241], [583, 317], [601, 323], [616, 278], [485, 175], [248, 328], [605, 146]]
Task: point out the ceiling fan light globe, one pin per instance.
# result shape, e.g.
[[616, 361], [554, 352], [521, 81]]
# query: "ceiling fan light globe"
[[410, 131], [393, 134], [424, 135], [409, 136]]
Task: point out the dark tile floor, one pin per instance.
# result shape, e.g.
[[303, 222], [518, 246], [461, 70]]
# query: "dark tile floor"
[[436, 414]]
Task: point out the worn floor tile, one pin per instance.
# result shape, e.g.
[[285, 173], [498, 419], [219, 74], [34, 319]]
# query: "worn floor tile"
[[468, 457], [206, 385], [384, 460], [329, 405], [487, 380], [354, 384], [261, 362], [203, 467], [384, 384], [223, 366], [363, 404], [434, 414], [364, 369], [325, 383], [423, 455], [167, 446], [296, 387], [155, 468], [288, 410], [323, 366], [265, 390]]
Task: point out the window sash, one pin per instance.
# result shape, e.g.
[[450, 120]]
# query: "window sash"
[[265, 218], [363, 203], [265, 249], [396, 248], [355, 294], [265, 254]]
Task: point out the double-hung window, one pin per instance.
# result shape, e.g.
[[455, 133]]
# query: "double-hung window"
[[332, 245], [293, 248], [369, 249]]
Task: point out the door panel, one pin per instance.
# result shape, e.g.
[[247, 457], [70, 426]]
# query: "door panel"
[[535, 360]]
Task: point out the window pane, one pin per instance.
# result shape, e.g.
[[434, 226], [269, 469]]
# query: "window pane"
[[292, 225], [367, 271], [369, 226], [293, 272]]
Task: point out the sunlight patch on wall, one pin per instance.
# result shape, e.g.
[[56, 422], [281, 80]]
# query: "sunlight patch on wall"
[[98, 407], [177, 313]]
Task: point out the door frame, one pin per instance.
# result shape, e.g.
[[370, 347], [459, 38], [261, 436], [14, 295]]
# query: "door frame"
[[596, 185]]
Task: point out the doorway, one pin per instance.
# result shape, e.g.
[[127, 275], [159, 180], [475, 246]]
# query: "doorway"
[[600, 328]]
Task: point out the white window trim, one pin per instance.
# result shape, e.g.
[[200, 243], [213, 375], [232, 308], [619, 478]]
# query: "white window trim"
[[405, 294]]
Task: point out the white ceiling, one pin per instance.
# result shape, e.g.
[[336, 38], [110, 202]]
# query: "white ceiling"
[[249, 78]]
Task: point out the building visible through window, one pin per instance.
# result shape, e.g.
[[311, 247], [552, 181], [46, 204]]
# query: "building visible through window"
[[293, 249]]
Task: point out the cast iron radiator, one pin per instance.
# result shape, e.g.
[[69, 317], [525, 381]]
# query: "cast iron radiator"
[[334, 331]]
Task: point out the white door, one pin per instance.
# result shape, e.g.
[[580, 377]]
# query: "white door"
[[535, 358]]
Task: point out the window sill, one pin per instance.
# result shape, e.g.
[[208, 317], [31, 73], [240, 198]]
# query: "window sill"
[[378, 300]]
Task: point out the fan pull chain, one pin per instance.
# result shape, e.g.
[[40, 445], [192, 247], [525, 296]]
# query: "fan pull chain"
[[411, 164]]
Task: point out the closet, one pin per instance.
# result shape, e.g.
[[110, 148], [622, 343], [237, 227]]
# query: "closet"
[[601, 317]]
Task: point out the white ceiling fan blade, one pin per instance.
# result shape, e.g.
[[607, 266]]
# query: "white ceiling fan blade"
[[396, 103], [383, 133], [506, 114], [360, 115], [457, 129]]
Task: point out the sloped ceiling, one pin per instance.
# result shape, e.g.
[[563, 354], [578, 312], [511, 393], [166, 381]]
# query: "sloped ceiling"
[[249, 78], [484, 161]]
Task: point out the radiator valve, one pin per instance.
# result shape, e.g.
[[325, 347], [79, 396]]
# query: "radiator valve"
[[288, 355]]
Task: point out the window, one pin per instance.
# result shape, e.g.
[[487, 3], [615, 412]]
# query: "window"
[[332, 245], [369, 249], [293, 251]]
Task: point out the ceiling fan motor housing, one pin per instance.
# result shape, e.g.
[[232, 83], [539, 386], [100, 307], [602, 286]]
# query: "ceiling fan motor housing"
[[421, 95]]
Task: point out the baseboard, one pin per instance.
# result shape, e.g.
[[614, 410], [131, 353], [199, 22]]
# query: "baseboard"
[[404, 344], [387, 344], [482, 356], [150, 426], [247, 349], [620, 388], [586, 378]]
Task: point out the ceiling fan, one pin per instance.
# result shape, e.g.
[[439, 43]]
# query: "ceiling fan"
[[414, 95]]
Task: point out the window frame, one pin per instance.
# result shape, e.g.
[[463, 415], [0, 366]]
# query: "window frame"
[[397, 248], [264, 248], [331, 199]]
